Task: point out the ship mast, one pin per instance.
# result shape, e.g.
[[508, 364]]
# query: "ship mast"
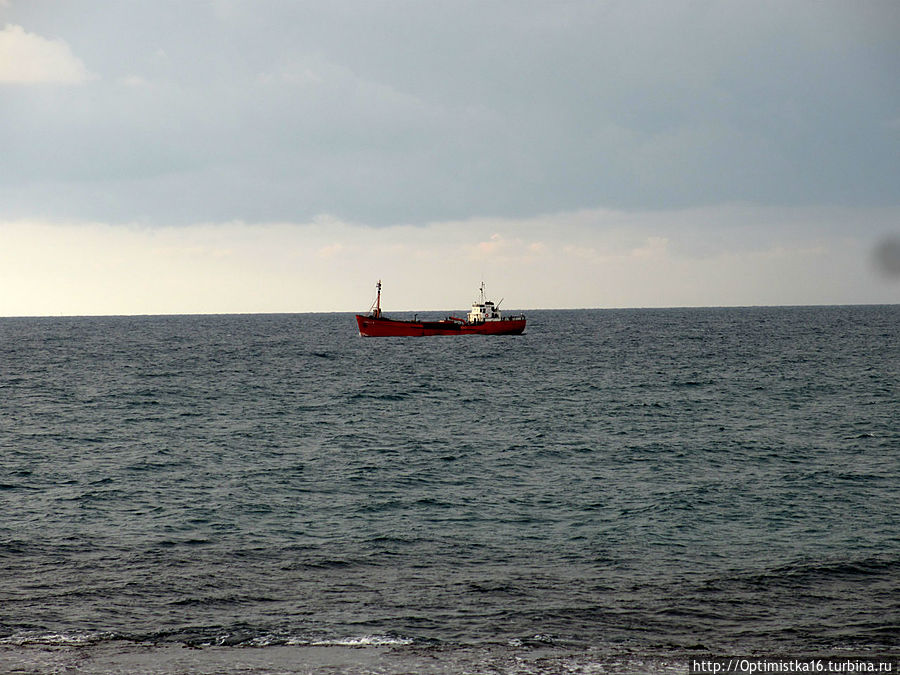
[[377, 311]]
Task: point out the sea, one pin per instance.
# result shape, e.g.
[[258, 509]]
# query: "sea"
[[615, 491]]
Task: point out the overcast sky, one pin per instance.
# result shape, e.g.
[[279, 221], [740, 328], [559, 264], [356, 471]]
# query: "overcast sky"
[[256, 156]]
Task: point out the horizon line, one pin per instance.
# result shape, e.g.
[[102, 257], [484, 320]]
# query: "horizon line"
[[420, 311]]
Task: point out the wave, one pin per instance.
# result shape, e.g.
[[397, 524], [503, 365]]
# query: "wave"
[[804, 572], [223, 600], [57, 639], [203, 638], [286, 640], [398, 396], [803, 575], [361, 641]]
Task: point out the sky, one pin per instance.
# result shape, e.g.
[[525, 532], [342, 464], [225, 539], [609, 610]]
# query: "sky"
[[220, 156]]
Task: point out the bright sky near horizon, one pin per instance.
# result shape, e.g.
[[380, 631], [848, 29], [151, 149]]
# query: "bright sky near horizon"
[[267, 156]]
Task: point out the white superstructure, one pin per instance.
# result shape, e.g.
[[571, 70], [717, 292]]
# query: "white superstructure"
[[484, 310]]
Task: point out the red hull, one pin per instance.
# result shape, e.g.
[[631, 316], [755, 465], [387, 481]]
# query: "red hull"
[[370, 326]]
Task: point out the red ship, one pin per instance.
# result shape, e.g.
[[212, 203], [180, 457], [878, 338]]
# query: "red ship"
[[483, 319]]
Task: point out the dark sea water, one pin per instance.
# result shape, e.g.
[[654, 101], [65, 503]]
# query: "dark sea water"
[[614, 491]]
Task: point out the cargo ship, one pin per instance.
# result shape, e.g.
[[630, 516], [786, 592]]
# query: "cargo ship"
[[483, 319]]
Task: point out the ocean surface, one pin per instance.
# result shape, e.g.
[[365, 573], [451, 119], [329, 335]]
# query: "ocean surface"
[[614, 491]]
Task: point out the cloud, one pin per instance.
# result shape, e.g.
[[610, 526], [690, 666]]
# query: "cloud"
[[407, 112], [133, 81], [598, 258], [330, 251], [506, 249], [887, 256], [27, 58]]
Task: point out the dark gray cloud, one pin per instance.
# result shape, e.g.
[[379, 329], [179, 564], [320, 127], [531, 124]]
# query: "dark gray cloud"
[[384, 112], [887, 256]]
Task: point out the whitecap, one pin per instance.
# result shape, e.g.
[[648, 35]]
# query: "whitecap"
[[56, 639], [362, 641]]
